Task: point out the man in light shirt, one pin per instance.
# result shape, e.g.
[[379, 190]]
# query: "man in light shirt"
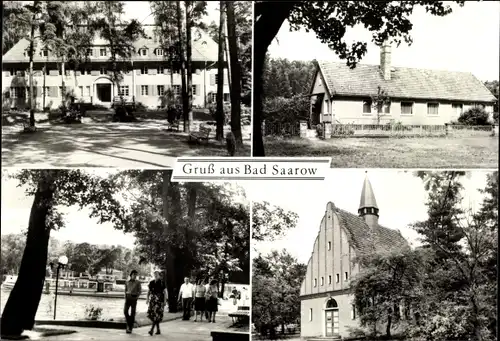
[[133, 290], [186, 293]]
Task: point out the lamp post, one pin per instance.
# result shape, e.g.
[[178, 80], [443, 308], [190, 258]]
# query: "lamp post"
[[61, 263]]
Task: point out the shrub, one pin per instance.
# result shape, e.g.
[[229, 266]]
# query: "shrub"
[[495, 117], [280, 110], [93, 313], [474, 117], [227, 112], [319, 130]]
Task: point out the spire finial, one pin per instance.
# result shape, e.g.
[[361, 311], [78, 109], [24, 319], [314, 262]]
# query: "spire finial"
[[367, 196]]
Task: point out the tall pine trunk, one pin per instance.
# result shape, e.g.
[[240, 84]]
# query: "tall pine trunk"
[[32, 53], [266, 30], [189, 68], [22, 305], [185, 101], [170, 280], [63, 84], [234, 65], [219, 114]]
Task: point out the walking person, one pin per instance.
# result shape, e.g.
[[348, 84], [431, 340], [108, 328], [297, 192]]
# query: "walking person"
[[235, 296], [199, 300], [186, 293], [156, 300], [212, 296], [133, 290]]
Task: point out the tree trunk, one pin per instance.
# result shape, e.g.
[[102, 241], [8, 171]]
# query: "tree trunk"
[[63, 84], [389, 322], [32, 53], [185, 101], [20, 310], [189, 71], [170, 279], [192, 197], [235, 75], [271, 16], [44, 82], [219, 114]]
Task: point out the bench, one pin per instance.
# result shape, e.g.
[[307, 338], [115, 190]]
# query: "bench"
[[229, 336], [174, 125], [27, 127], [241, 315], [201, 135]]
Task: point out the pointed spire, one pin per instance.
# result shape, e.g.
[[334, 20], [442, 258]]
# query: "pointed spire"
[[367, 197]]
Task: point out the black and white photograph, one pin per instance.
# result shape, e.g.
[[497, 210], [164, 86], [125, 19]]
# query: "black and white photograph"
[[100, 254], [124, 83], [376, 255], [394, 84]]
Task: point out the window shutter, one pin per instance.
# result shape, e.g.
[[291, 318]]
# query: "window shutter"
[[155, 90], [212, 79], [96, 53], [38, 91], [152, 72], [150, 90], [138, 90], [138, 71], [226, 78]]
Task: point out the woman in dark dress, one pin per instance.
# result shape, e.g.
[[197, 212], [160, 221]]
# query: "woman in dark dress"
[[199, 300], [212, 303], [156, 300]]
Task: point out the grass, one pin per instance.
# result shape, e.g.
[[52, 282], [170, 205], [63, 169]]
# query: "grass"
[[427, 152]]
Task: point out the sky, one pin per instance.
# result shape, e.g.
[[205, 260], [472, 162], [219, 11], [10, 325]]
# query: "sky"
[[79, 228], [466, 40], [400, 197]]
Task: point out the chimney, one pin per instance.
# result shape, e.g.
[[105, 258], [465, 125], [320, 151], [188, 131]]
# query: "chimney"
[[385, 60]]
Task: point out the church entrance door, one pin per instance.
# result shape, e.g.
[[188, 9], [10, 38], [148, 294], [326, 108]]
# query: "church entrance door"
[[332, 322]]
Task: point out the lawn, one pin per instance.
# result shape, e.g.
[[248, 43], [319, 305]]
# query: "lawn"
[[427, 152]]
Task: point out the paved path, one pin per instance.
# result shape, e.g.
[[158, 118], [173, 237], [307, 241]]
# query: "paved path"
[[172, 330], [98, 144]]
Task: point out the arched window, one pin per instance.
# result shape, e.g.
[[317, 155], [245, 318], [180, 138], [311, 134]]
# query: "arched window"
[[331, 303]]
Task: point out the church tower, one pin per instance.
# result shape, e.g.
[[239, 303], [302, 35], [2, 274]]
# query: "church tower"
[[368, 208]]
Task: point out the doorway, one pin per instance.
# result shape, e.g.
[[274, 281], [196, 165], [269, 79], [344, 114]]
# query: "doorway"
[[103, 92], [331, 318]]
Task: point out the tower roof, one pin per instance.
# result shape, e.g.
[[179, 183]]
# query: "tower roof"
[[367, 196]]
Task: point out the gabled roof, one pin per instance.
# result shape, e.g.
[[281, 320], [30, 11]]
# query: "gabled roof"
[[204, 48], [366, 240], [405, 83]]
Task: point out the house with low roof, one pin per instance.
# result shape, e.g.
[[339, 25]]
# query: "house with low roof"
[[146, 81], [343, 95], [327, 305]]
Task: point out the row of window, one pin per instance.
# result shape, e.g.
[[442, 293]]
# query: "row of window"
[[160, 90], [337, 279], [407, 108], [353, 313], [103, 52]]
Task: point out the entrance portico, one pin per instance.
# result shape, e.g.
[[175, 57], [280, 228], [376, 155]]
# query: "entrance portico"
[[104, 91]]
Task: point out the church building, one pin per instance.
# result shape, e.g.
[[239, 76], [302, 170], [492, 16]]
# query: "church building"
[[327, 308]]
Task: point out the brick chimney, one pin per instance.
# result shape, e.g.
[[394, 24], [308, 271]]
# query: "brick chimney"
[[385, 60]]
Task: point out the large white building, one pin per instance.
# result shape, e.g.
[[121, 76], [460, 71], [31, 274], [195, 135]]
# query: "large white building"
[[146, 82]]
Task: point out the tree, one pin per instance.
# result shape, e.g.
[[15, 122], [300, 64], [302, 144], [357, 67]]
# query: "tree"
[[12, 252], [270, 222], [380, 101], [12, 31], [235, 67], [494, 88], [329, 21], [276, 284], [50, 189], [464, 244], [220, 116], [182, 62], [385, 284]]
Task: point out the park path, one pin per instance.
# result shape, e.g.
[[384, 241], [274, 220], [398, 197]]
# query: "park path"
[[101, 144], [175, 330]]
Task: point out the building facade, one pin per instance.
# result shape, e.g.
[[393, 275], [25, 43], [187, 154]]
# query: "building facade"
[[416, 96], [145, 82], [327, 308]]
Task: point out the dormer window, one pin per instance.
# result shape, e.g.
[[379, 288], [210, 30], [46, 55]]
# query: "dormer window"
[[102, 52], [45, 53], [159, 52], [143, 52]]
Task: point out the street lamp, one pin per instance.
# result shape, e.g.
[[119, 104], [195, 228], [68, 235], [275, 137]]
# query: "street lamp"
[[61, 263]]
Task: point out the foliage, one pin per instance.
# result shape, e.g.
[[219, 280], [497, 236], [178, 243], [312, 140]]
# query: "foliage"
[[270, 222], [379, 102], [280, 110], [12, 252], [494, 88], [474, 117], [276, 282], [12, 31], [284, 78], [93, 313]]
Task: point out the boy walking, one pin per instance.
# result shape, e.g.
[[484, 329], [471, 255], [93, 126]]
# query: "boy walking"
[[133, 290]]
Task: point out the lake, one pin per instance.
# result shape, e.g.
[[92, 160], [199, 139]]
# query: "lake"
[[73, 307]]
